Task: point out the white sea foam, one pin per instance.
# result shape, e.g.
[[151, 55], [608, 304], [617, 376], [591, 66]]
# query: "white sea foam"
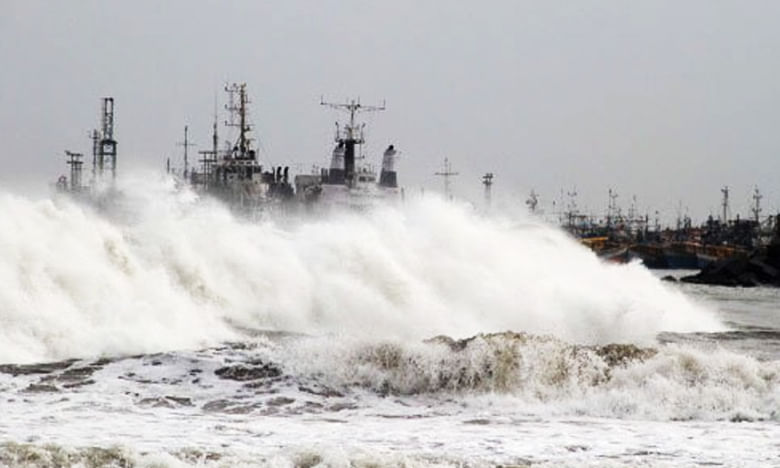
[[168, 272]]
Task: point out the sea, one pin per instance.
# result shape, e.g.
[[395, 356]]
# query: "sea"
[[162, 330]]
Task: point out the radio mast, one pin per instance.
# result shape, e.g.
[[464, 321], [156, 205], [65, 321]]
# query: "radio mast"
[[447, 174]]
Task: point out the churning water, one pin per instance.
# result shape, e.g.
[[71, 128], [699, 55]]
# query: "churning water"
[[168, 332]]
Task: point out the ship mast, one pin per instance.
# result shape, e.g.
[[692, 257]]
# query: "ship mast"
[[209, 157], [447, 174], [186, 144], [103, 143], [725, 204], [487, 181], [612, 207], [238, 118], [572, 212], [757, 206]]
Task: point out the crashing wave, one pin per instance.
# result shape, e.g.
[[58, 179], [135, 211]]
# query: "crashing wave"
[[166, 272], [613, 380]]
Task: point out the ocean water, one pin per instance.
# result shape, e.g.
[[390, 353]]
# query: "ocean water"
[[167, 332]]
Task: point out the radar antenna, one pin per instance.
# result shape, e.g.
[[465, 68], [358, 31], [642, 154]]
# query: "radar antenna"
[[352, 130]]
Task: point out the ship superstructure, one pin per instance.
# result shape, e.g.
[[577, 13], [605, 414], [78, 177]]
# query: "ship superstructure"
[[350, 182], [234, 173]]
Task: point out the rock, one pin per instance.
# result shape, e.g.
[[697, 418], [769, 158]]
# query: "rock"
[[40, 388], [29, 369], [321, 391], [183, 401], [79, 383], [243, 372], [279, 401], [760, 268]]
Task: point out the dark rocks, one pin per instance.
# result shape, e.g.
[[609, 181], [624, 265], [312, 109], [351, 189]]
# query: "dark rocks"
[[80, 383], [167, 401], [229, 407], [249, 371], [320, 391], [41, 388], [217, 405], [74, 376], [760, 268], [279, 401], [341, 406], [183, 401], [55, 376], [30, 369]]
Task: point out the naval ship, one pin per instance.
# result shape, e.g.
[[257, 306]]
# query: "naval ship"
[[350, 182], [234, 174]]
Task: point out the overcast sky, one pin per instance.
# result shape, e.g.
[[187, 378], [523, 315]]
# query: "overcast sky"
[[665, 100]]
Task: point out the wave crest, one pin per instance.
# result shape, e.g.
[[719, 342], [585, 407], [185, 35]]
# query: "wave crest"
[[613, 380]]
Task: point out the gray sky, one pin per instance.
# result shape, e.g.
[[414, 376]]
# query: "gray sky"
[[667, 100]]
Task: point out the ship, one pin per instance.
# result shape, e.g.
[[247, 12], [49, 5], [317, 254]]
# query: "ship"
[[234, 174], [350, 182]]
